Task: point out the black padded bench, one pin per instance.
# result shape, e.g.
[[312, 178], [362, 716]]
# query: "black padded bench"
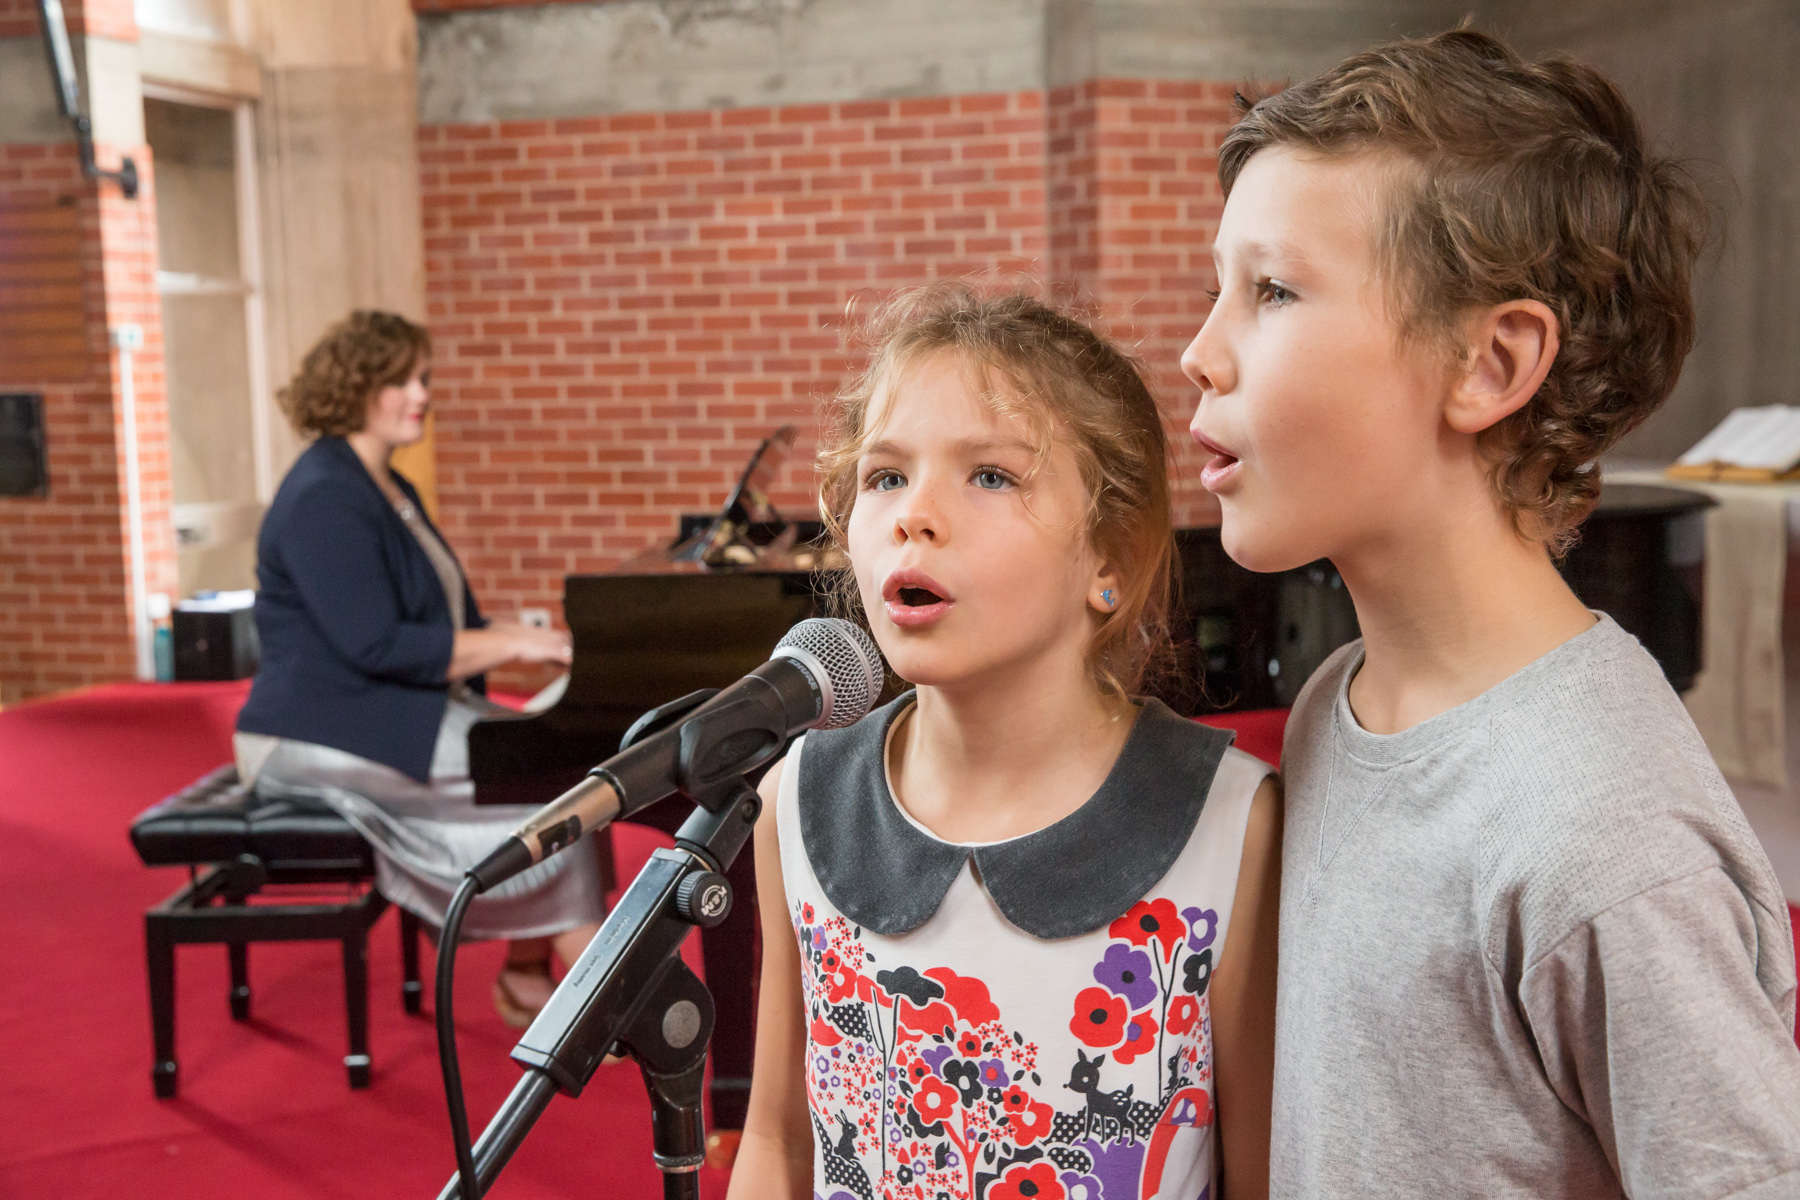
[[234, 843]]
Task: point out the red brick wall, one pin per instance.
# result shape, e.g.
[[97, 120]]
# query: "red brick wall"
[[624, 305], [1134, 207], [104, 18], [64, 587]]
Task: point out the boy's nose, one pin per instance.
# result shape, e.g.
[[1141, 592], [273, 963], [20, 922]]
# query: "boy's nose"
[[1205, 362]]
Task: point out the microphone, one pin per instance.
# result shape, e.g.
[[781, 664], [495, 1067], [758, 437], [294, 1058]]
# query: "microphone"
[[823, 674]]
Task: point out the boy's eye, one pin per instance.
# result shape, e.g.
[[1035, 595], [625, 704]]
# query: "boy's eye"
[[1274, 293], [990, 478], [885, 480]]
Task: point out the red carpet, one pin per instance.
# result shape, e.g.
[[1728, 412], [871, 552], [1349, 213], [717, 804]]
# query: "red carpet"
[[264, 1109]]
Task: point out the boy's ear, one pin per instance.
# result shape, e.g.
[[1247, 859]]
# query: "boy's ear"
[[1508, 353]]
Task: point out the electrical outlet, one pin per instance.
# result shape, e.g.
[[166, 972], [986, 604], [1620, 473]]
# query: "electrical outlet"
[[537, 618]]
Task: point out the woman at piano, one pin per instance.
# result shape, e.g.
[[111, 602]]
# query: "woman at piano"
[[373, 652]]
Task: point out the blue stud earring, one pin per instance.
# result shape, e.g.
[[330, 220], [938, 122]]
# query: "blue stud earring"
[[1106, 596]]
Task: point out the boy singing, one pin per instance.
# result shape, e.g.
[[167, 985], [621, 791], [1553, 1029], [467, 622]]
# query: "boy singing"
[[1529, 946]]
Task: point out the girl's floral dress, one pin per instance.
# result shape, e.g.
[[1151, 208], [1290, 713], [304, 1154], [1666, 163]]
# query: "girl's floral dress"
[[1018, 1019]]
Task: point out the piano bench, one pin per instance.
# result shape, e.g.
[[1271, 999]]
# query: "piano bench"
[[234, 844]]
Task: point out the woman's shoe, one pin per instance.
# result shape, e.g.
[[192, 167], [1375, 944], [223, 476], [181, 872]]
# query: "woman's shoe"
[[516, 1011]]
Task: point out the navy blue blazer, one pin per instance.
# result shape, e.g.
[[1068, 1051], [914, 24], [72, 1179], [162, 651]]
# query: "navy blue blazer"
[[355, 627]]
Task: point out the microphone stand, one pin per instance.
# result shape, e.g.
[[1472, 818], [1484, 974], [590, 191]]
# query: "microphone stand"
[[631, 990]]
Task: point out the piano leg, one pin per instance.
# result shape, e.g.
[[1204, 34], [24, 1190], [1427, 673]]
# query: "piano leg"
[[731, 956]]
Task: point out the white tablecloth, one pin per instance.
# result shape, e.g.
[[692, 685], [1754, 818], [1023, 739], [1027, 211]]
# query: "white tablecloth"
[[1738, 701]]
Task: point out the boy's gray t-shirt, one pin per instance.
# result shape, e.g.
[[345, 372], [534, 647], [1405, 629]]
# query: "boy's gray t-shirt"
[[1529, 947]]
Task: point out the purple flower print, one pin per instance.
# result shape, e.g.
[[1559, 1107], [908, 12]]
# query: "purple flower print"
[[1198, 941], [1127, 972], [993, 1074], [1118, 1164], [818, 938], [935, 1057], [1081, 1187]]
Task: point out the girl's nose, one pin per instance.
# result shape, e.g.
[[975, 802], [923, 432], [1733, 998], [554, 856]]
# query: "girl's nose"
[[919, 518]]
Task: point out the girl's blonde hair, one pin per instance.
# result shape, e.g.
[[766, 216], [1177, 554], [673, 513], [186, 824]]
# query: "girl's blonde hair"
[[1037, 362]]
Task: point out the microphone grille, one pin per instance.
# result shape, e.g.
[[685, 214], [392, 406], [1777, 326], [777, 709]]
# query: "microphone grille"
[[852, 666]]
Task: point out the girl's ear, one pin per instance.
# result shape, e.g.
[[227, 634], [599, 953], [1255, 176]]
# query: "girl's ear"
[[1103, 590], [1509, 351]]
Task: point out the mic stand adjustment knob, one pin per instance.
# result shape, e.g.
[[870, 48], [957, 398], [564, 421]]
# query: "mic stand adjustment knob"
[[704, 898]]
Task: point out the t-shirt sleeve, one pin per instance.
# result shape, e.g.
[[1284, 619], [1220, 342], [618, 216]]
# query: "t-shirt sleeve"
[[334, 557], [1652, 1026]]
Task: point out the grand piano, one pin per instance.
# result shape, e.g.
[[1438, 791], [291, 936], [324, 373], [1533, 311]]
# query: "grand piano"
[[709, 609]]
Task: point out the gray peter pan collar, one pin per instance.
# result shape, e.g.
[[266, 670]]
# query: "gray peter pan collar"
[[888, 874]]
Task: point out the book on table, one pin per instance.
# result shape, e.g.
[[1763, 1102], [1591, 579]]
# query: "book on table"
[[1751, 445]]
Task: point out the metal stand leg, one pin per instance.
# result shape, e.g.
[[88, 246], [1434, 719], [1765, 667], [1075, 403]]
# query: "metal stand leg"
[[410, 988], [159, 955], [356, 1004], [239, 953], [678, 1128]]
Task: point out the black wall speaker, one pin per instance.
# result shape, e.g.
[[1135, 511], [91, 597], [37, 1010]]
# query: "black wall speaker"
[[23, 471]]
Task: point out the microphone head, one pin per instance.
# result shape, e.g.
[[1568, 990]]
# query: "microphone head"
[[844, 661]]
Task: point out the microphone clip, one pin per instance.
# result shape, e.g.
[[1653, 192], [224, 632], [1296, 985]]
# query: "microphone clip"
[[717, 745]]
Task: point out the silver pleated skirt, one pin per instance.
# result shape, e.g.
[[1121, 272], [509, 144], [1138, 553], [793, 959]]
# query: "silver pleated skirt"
[[426, 835]]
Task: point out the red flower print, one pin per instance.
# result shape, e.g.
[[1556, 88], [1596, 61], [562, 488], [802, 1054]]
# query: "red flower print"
[[1140, 1038], [806, 914], [1030, 1125], [1151, 920], [1028, 1181], [934, 1100], [968, 1045], [968, 995], [935, 1019], [1099, 1019], [1015, 1099], [840, 983], [1183, 1012], [823, 1034], [918, 1070]]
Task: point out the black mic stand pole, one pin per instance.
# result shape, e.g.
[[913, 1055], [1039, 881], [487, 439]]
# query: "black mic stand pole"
[[630, 988]]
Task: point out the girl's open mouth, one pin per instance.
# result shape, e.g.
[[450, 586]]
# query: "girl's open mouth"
[[913, 599]]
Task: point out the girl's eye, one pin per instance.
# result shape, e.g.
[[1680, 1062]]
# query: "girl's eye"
[[884, 481], [1275, 294], [1212, 294], [990, 479]]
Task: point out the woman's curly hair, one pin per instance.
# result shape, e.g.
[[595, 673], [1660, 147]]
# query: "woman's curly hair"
[[356, 358], [1517, 180]]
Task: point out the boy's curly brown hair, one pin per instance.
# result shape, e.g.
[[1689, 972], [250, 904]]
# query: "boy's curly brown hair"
[[1518, 180], [357, 357]]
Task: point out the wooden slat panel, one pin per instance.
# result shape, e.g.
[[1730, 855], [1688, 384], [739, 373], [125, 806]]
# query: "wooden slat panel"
[[43, 319]]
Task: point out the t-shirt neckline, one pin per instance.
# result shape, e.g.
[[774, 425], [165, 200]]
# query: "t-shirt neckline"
[[1390, 748]]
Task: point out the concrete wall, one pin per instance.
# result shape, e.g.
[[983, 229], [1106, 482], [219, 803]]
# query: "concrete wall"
[[567, 59], [1714, 84]]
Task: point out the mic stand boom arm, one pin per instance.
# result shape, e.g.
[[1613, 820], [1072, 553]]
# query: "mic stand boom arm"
[[631, 988]]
